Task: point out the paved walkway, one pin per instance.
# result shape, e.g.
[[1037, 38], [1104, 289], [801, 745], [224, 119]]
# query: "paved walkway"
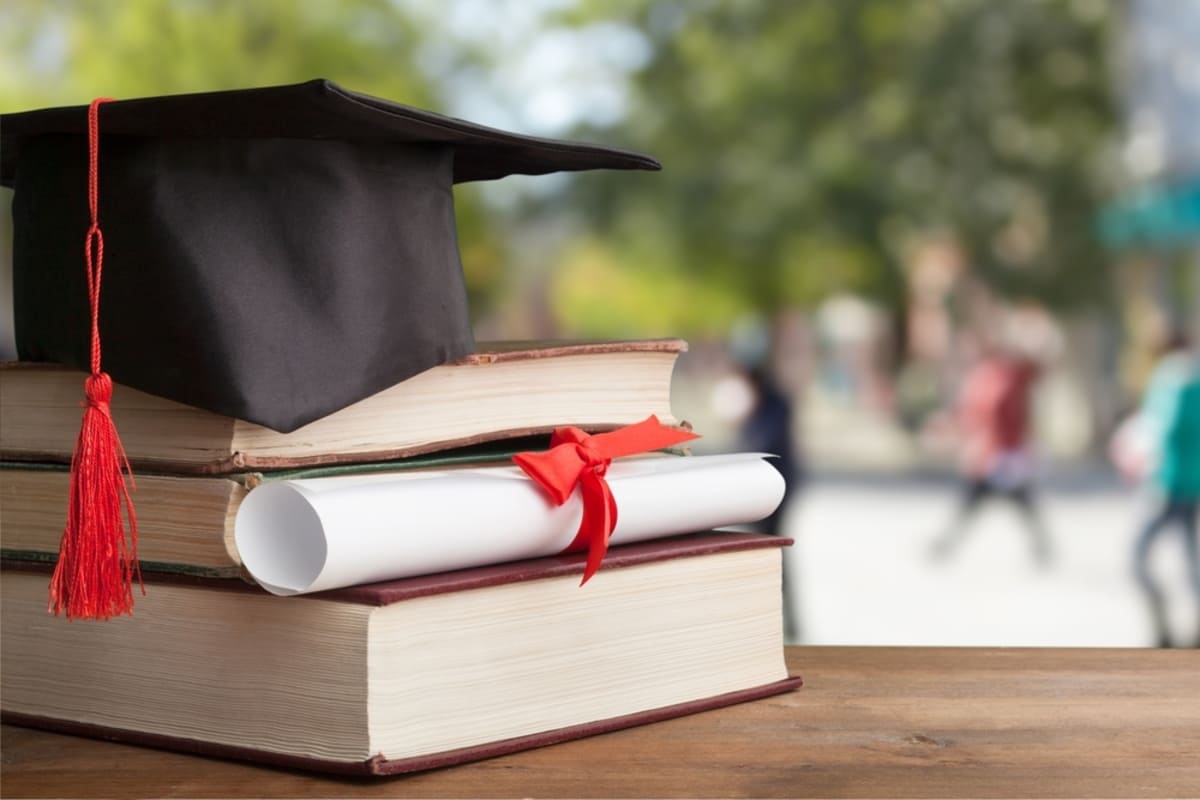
[[864, 575]]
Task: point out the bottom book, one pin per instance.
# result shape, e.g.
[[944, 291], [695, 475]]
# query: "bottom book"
[[412, 674]]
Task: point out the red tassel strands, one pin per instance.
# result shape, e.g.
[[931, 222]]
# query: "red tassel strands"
[[93, 578]]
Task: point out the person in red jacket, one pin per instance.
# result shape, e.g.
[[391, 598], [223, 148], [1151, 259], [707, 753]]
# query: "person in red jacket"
[[993, 420]]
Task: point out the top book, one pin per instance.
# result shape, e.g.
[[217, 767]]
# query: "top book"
[[505, 390]]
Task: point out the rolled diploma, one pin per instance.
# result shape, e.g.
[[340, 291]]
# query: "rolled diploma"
[[305, 536]]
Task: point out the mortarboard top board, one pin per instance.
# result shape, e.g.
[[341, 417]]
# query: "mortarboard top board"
[[270, 254]]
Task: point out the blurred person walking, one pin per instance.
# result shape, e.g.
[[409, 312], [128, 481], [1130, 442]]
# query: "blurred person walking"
[[768, 428], [1169, 418], [993, 424]]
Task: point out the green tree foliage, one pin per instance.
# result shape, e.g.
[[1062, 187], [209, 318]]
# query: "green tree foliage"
[[68, 51], [60, 52], [805, 143]]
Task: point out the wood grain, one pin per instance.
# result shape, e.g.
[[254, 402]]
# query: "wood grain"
[[870, 722]]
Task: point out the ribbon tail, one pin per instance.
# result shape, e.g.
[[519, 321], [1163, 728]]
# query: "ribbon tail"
[[642, 437], [599, 521]]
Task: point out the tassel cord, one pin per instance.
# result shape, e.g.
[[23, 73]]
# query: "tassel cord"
[[93, 578]]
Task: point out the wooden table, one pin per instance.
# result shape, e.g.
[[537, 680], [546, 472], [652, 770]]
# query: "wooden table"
[[897, 722]]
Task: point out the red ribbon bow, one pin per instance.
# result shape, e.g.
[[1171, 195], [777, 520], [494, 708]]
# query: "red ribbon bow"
[[576, 458]]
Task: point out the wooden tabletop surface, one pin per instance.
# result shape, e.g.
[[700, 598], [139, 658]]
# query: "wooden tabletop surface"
[[869, 722]]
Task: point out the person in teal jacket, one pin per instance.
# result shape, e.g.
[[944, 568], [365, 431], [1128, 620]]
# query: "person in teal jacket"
[[1171, 411]]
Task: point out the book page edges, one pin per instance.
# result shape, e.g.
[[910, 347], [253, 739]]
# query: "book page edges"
[[381, 766], [184, 521], [441, 407], [202, 443], [248, 461]]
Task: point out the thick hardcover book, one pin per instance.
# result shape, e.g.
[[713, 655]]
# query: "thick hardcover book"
[[410, 674], [505, 390]]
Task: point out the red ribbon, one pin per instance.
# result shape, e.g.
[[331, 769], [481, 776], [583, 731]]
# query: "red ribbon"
[[576, 458]]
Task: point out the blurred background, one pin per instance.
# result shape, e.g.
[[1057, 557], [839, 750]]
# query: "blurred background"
[[882, 225]]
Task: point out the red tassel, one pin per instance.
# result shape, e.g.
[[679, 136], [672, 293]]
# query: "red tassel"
[[94, 575], [93, 578]]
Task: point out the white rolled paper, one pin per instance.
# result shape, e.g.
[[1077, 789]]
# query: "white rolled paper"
[[305, 536]]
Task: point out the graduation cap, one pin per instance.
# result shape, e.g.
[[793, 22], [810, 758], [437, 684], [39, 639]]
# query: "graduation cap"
[[271, 254]]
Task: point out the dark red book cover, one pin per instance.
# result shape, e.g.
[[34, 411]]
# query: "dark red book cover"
[[386, 593]]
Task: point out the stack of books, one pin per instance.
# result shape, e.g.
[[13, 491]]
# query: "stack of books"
[[381, 591]]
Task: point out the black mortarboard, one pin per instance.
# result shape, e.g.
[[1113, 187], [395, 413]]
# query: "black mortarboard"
[[270, 254]]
